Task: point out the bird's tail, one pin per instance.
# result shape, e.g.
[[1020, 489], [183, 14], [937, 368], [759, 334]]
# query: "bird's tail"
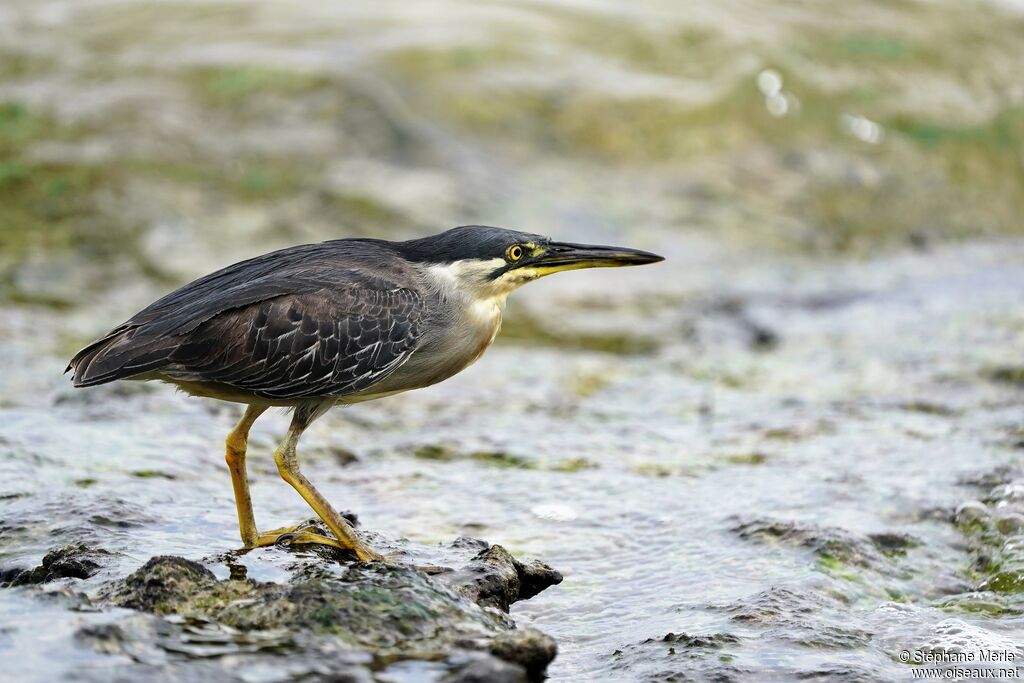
[[121, 354]]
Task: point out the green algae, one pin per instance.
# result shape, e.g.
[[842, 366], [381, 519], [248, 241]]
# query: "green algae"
[[659, 470], [1012, 375], [929, 408], [235, 86], [391, 612], [573, 465], [18, 65], [523, 328], [153, 474], [435, 452], [837, 552], [501, 459], [454, 61], [752, 458], [993, 529], [586, 384], [43, 205], [1005, 581]]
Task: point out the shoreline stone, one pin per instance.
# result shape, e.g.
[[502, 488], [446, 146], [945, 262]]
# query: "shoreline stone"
[[380, 614]]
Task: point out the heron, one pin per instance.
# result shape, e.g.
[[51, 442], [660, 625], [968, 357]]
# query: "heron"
[[336, 322]]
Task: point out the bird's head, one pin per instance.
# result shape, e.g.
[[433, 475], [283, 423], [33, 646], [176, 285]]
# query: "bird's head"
[[490, 262]]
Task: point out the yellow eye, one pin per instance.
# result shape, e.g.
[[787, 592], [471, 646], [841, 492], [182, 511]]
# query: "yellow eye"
[[514, 253]]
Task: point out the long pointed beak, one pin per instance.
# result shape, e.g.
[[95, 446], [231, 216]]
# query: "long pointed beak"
[[559, 256]]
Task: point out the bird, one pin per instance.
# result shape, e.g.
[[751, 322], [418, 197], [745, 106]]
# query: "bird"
[[330, 323]]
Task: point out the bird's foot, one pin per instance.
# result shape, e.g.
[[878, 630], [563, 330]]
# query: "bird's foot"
[[300, 534], [295, 537], [308, 525]]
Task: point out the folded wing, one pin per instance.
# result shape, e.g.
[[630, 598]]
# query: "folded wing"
[[300, 346], [302, 323]]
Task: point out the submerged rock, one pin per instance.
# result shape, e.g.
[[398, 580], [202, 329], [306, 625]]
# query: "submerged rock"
[[834, 547], [802, 617], [686, 640], [76, 560], [453, 621], [683, 657], [994, 529]]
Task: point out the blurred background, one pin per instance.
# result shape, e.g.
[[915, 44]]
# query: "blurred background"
[[768, 440], [156, 139]]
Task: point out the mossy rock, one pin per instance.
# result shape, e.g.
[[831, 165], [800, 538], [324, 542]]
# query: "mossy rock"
[[390, 612]]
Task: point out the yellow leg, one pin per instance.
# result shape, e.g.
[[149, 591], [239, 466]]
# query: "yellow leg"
[[288, 466], [235, 457]]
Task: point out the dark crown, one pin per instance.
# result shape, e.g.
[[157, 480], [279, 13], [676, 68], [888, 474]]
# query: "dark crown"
[[465, 242]]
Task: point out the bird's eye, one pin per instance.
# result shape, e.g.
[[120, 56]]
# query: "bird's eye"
[[514, 253]]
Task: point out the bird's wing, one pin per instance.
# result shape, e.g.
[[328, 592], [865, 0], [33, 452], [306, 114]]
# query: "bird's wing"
[[349, 311], [325, 343]]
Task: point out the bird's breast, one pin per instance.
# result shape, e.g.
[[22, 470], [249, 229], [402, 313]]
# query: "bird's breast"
[[486, 321], [456, 340], [466, 336]]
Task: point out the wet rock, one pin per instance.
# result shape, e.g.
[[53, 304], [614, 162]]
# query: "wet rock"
[[76, 561], [162, 584], [970, 514], [1006, 581], [498, 459], [529, 648], [496, 579], [435, 452], [833, 546], [983, 602], [838, 672], [990, 478], [136, 637], [892, 543], [928, 408], [391, 612], [806, 618], [714, 640], [994, 528], [752, 458], [342, 456], [775, 603], [1012, 375], [759, 336], [683, 657], [478, 667], [525, 327]]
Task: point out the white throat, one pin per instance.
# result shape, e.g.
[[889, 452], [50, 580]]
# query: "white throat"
[[471, 282]]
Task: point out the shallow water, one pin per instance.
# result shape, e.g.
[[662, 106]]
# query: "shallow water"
[[790, 451]]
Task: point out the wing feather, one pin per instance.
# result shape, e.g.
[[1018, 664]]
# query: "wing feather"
[[314, 320], [303, 346]]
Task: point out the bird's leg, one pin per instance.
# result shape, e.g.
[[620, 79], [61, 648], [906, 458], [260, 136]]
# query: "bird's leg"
[[251, 537], [235, 457], [288, 466]]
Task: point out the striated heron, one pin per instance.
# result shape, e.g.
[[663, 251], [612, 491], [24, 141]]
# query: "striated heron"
[[316, 325]]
